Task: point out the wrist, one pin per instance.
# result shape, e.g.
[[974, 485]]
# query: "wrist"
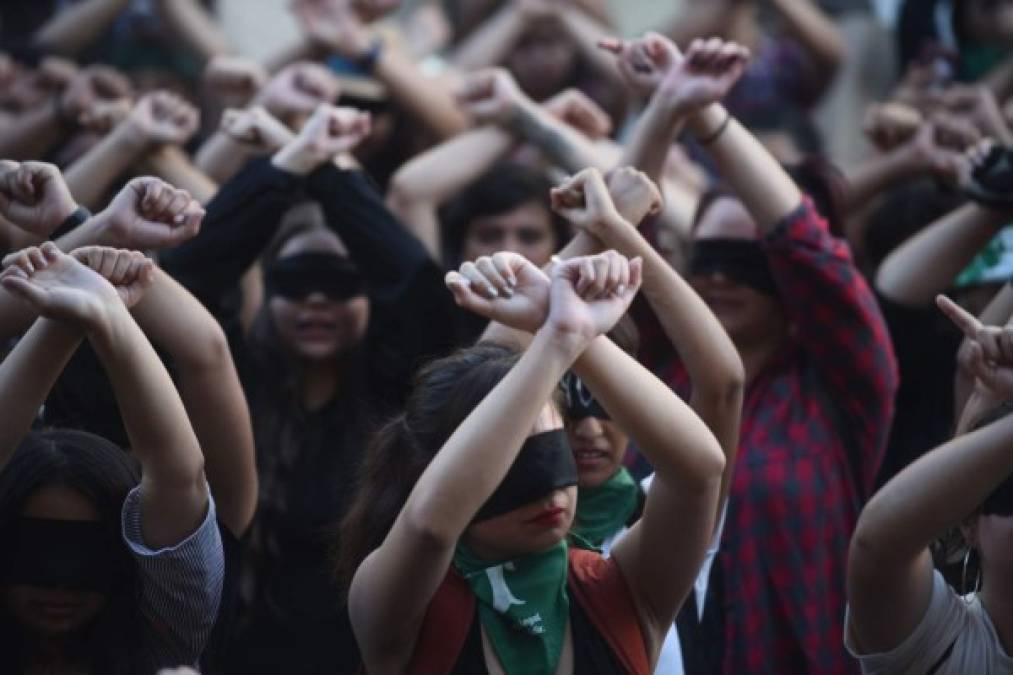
[[706, 122], [104, 323], [297, 158], [131, 139], [564, 341]]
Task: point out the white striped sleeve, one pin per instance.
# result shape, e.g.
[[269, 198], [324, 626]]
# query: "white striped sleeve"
[[181, 586]]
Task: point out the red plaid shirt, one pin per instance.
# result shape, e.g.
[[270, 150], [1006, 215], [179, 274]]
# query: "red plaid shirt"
[[814, 426]]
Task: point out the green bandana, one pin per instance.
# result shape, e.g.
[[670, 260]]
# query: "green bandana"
[[604, 510], [523, 606]]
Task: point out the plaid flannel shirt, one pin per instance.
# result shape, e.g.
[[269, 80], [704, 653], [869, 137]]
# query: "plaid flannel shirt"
[[814, 427]]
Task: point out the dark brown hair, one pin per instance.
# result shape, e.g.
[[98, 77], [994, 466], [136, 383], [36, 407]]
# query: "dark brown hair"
[[444, 393]]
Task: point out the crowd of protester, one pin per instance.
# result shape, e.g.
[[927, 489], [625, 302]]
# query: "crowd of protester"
[[475, 337]]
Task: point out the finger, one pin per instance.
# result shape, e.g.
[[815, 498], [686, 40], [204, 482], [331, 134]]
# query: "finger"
[[25, 289], [465, 295], [609, 44], [600, 287], [636, 275], [618, 274], [477, 280], [989, 339], [967, 323], [38, 260], [503, 262], [176, 210], [123, 263], [51, 252], [586, 276], [492, 275]]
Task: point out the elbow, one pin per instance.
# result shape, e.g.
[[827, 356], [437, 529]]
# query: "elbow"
[[209, 348], [401, 193]]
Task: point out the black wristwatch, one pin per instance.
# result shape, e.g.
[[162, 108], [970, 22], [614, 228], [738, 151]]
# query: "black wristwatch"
[[71, 222]]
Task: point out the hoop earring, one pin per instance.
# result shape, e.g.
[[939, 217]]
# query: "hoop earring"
[[963, 579]]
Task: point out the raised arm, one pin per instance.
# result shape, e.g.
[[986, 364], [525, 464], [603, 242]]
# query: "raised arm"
[[714, 366], [389, 595], [242, 135], [434, 176], [173, 488], [997, 313], [927, 263], [157, 119], [74, 29], [889, 565], [336, 26], [491, 42], [810, 25]]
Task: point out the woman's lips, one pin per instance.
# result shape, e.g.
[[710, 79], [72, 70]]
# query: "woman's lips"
[[549, 518]]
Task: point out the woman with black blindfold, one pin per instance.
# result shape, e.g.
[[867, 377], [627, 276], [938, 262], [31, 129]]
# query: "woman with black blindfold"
[[352, 306], [99, 574], [903, 617], [820, 376], [475, 574]]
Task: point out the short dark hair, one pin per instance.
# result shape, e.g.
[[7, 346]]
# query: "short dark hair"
[[500, 190]]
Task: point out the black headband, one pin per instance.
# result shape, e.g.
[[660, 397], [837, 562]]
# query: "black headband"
[[545, 463], [298, 276], [1000, 501], [80, 555], [741, 260], [580, 402]]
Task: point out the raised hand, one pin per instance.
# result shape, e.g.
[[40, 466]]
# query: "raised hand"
[[34, 196], [634, 194], [235, 79], [576, 108], [255, 129], [585, 201], [92, 84], [162, 117], [297, 90], [330, 132], [941, 144], [989, 354], [888, 125], [335, 25], [61, 286], [102, 116], [491, 95], [644, 62], [705, 75], [505, 287], [590, 294], [148, 213]]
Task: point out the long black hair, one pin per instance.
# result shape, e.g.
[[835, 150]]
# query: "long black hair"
[[115, 642]]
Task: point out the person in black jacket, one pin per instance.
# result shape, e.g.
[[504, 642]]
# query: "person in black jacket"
[[334, 344]]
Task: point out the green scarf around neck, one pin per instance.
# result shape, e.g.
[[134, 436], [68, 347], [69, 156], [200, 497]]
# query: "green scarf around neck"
[[522, 604], [605, 509]]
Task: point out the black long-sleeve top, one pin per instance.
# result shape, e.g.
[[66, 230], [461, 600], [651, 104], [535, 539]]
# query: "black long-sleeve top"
[[307, 460]]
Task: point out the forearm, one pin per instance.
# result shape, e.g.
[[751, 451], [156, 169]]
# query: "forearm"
[[220, 157], [492, 41], [564, 146], [587, 32], [699, 20], [652, 138], [877, 175], [211, 393], [426, 98], [174, 490], [196, 28], [78, 26], [31, 134], [935, 493], [927, 264], [683, 452], [766, 190], [815, 30], [173, 165], [28, 374], [95, 172]]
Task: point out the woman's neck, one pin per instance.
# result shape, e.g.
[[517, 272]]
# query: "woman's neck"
[[997, 597], [48, 656], [756, 354], [320, 383]]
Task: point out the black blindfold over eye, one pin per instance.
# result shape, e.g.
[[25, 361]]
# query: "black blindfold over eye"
[[299, 276], [740, 260], [60, 554], [1000, 502], [544, 464], [580, 402]]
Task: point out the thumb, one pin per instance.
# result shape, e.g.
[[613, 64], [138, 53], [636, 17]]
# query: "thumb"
[[25, 290]]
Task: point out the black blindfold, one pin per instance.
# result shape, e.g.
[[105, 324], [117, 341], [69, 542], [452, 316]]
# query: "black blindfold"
[[740, 260], [544, 464], [299, 276], [72, 554], [580, 402]]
